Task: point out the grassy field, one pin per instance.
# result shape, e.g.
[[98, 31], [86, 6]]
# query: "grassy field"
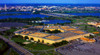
[[38, 46], [46, 53], [12, 52], [85, 20], [9, 32], [35, 48], [32, 45], [84, 26], [4, 49]]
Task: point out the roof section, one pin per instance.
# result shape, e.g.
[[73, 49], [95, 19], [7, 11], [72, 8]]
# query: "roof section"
[[78, 32], [66, 35], [38, 26], [37, 34], [53, 37], [70, 29], [68, 32]]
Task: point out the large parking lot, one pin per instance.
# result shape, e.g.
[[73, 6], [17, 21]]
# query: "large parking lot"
[[80, 49]]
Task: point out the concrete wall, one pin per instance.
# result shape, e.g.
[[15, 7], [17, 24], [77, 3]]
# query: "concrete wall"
[[37, 38]]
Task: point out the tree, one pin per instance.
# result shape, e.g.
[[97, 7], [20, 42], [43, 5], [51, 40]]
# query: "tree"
[[63, 42], [42, 41], [91, 36], [38, 40], [85, 27], [18, 36], [26, 37], [32, 39]]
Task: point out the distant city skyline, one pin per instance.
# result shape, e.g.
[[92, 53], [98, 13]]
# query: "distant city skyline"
[[52, 1]]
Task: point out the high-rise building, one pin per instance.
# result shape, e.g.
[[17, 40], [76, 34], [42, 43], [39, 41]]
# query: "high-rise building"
[[5, 7]]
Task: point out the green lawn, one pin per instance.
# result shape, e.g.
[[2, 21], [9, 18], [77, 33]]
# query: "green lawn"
[[5, 36], [9, 32], [51, 52], [12, 52], [86, 27], [12, 30], [85, 20], [18, 40], [38, 46], [35, 47], [32, 45], [3, 47]]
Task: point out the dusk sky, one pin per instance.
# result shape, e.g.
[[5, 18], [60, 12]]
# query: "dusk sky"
[[50, 1]]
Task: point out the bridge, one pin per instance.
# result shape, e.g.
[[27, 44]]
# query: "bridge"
[[16, 47], [57, 15]]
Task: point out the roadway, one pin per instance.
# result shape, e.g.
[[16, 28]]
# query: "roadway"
[[16, 47]]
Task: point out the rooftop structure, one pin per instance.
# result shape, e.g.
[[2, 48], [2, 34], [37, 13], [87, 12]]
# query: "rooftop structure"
[[94, 24], [88, 40], [67, 33]]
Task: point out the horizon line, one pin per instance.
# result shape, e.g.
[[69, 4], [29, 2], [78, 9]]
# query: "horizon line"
[[49, 3]]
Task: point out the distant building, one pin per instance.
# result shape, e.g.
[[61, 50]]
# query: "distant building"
[[94, 24], [87, 40], [5, 7]]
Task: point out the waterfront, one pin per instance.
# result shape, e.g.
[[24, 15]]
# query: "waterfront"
[[20, 15], [23, 16], [4, 15], [84, 14], [15, 13], [55, 21], [30, 15]]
